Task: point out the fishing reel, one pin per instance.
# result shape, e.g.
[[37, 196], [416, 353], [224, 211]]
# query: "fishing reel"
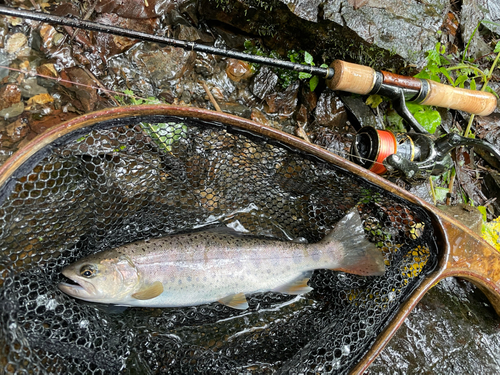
[[414, 155]]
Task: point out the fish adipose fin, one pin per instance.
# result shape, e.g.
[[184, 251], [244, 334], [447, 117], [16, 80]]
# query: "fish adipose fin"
[[149, 292], [360, 256], [236, 301], [297, 286]]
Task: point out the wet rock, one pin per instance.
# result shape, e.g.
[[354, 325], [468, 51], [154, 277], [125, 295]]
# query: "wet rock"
[[453, 330], [264, 82], [30, 87], [473, 12], [9, 94], [3, 31], [40, 125], [12, 111], [337, 140], [238, 70], [381, 33], [85, 96], [361, 114], [107, 45], [284, 102], [188, 33], [308, 98], [468, 215], [47, 70], [47, 33], [330, 110], [236, 109], [15, 43], [408, 28], [17, 130], [492, 189], [162, 66], [306, 9], [135, 8]]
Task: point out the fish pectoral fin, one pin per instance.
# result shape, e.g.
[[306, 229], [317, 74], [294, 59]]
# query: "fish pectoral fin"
[[297, 286], [150, 291], [236, 301]]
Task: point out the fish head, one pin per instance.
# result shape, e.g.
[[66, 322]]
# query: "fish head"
[[105, 278]]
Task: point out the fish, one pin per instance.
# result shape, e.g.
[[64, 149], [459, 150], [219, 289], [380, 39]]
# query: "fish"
[[205, 266]]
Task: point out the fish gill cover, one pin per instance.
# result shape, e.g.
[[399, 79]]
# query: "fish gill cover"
[[116, 184]]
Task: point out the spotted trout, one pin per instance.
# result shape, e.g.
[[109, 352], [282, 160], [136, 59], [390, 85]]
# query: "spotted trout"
[[203, 267]]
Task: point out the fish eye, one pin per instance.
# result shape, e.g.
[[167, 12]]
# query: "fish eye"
[[88, 270]]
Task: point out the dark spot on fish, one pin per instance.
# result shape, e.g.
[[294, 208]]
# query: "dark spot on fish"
[[315, 254], [188, 278]]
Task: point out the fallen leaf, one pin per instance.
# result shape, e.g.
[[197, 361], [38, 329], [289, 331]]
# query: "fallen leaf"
[[491, 233], [40, 99]]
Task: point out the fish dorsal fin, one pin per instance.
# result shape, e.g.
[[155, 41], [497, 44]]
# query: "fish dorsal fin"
[[236, 301], [150, 291], [297, 286]]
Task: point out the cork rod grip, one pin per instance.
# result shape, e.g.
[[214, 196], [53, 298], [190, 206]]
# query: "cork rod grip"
[[477, 102], [350, 77]]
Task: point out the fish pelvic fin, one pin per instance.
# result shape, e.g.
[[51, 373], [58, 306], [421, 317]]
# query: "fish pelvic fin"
[[360, 257], [297, 286], [149, 292], [236, 301]]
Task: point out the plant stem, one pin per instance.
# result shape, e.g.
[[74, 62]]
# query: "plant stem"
[[487, 79], [433, 192]]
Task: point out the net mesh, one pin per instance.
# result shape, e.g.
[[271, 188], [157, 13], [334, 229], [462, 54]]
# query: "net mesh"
[[121, 181]]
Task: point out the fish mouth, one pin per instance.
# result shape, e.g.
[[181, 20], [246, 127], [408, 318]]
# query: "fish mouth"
[[76, 287]]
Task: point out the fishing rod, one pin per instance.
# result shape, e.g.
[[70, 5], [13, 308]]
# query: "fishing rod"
[[340, 75], [413, 154]]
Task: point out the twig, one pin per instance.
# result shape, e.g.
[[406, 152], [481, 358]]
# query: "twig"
[[450, 186], [433, 192], [87, 15], [210, 96]]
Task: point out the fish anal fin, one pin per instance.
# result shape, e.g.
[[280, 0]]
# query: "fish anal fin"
[[297, 286], [236, 301], [150, 291]]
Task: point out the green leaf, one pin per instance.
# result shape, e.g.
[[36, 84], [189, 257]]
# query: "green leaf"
[[434, 56], [489, 89], [460, 81], [441, 193], [472, 84], [303, 75], [482, 209], [374, 101], [308, 58], [313, 83], [497, 47], [324, 66], [446, 74], [491, 232], [424, 74], [429, 118]]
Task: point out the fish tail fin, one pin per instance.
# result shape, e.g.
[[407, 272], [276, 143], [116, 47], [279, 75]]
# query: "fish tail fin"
[[360, 256]]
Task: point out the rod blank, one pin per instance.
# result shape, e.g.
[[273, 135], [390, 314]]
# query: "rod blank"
[[94, 26]]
